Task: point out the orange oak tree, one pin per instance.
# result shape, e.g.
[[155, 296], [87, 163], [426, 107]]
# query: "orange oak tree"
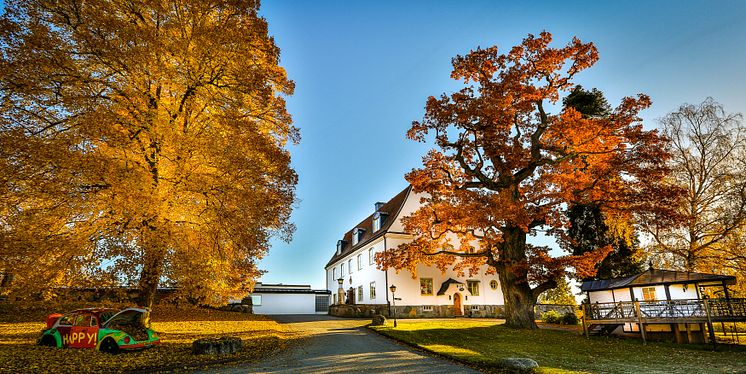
[[141, 143], [505, 166]]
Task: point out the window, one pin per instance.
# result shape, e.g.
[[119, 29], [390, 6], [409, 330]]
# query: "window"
[[360, 262], [359, 293], [83, 320], [426, 286], [372, 290], [493, 284], [473, 287], [371, 257], [349, 265], [67, 320], [648, 293], [427, 308], [357, 235], [256, 300], [342, 269], [334, 273], [376, 221]]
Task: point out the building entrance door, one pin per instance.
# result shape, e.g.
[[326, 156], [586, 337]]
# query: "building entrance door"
[[457, 304]]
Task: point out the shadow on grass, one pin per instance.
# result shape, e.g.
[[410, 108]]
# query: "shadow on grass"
[[558, 351]]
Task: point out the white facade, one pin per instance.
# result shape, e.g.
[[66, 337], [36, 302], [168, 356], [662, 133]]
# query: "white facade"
[[288, 299], [365, 274]]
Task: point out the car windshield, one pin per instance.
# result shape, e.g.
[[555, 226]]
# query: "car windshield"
[[105, 316]]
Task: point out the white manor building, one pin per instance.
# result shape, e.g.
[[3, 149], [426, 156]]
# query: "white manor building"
[[430, 294]]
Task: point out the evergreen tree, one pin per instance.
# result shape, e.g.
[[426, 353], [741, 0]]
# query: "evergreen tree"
[[589, 230]]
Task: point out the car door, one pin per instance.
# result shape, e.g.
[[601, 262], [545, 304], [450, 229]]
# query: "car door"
[[64, 327], [84, 333]]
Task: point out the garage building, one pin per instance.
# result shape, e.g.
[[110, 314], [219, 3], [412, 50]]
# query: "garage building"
[[289, 299]]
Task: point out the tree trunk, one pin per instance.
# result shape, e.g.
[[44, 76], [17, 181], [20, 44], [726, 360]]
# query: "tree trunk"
[[512, 271], [152, 267]]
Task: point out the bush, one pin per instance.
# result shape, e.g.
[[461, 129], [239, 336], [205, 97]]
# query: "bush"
[[570, 319], [555, 317], [551, 317]]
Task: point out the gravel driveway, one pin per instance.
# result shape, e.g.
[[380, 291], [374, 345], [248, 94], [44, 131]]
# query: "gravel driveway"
[[338, 345]]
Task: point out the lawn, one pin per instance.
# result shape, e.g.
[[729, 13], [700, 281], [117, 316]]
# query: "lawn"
[[177, 327], [483, 343]]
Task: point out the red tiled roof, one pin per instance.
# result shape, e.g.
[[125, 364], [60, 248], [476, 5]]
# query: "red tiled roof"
[[392, 207]]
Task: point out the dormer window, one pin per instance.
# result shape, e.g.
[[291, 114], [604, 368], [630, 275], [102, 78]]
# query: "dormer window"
[[340, 245], [357, 234], [378, 219]]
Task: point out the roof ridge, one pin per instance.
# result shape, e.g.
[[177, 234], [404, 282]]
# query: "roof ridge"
[[403, 194]]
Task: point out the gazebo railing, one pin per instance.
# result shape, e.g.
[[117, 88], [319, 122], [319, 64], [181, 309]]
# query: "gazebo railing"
[[718, 309]]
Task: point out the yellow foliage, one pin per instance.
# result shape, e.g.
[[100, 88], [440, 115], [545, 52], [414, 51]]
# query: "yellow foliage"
[[177, 327]]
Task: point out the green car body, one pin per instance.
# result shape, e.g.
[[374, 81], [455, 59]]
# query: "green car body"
[[103, 329]]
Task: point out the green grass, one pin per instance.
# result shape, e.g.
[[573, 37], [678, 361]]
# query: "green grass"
[[484, 343]]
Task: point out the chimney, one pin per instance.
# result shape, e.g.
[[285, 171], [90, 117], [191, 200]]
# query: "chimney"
[[379, 205]]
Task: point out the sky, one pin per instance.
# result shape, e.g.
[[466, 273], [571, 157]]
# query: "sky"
[[363, 71]]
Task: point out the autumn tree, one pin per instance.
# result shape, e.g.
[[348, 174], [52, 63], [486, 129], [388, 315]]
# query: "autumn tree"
[[589, 229], [709, 164], [506, 165], [141, 143], [560, 295]]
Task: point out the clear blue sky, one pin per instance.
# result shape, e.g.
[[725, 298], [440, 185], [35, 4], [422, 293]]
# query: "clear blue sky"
[[364, 70]]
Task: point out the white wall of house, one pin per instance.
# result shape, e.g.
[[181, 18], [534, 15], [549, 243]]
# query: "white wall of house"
[[285, 303], [408, 288], [362, 275], [622, 294], [679, 293]]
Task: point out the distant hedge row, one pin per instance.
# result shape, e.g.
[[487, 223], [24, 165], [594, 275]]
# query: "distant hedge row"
[[553, 316]]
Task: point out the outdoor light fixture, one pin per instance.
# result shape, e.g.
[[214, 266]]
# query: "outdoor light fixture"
[[393, 296], [341, 291]]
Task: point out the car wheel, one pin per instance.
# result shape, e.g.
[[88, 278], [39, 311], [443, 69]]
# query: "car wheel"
[[109, 346], [48, 341]]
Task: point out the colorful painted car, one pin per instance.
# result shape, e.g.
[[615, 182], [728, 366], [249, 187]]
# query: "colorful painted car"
[[105, 329]]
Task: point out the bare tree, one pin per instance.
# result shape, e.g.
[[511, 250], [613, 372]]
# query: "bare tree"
[[708, 163]]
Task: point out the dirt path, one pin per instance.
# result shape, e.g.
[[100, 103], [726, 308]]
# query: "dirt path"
[[337, 345]]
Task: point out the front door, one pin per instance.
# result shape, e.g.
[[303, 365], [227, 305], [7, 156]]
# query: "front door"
[[457, 304]]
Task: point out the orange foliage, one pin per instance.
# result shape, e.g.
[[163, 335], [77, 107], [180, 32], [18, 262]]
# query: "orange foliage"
[[505, 165]]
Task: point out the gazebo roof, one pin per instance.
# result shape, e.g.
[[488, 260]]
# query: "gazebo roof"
[[653, 277]]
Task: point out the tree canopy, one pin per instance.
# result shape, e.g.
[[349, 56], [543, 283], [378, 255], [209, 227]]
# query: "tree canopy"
[[141, 143], [505, 166]]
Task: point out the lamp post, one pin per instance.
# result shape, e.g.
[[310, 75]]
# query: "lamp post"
[[393, 296], [340, 291]]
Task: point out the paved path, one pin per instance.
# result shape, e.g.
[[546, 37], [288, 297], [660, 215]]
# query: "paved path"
[[339, 345]]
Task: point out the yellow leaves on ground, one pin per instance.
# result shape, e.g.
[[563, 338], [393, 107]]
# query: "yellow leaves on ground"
[[177, 327]]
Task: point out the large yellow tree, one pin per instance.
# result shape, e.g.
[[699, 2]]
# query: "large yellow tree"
[[141, 142]]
